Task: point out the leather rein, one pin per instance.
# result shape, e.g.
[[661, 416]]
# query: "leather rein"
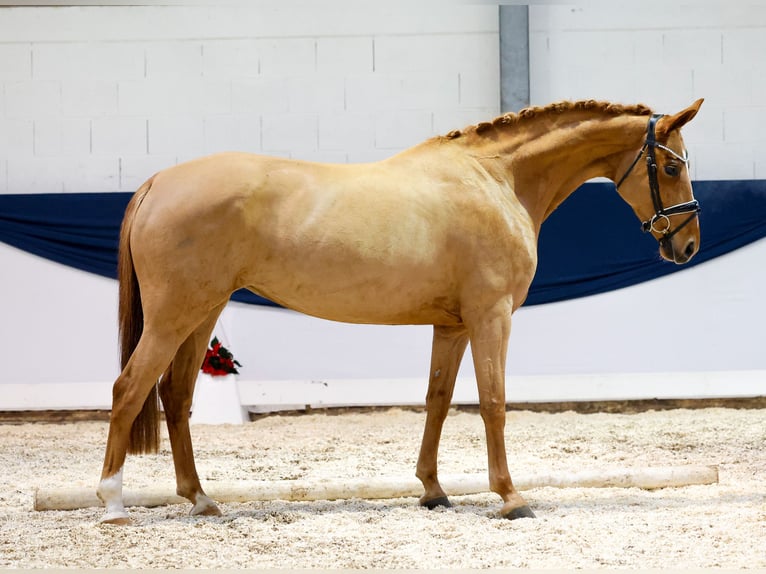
[[661, 213]]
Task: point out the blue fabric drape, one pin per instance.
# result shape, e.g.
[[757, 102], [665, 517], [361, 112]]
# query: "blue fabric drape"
[[591, 244]]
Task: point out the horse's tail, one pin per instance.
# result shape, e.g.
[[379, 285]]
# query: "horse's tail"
[[145, 432]]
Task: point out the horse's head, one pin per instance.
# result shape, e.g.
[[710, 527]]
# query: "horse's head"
[[659, 189]]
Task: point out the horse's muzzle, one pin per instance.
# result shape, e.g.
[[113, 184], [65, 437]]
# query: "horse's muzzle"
[[678, 254]]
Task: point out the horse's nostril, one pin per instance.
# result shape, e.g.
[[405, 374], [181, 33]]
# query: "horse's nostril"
[[689, 251]]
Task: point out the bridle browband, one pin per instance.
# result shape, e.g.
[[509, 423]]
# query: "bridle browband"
[[661, 213]]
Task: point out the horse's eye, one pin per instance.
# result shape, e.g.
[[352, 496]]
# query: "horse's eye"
[[671, 170]]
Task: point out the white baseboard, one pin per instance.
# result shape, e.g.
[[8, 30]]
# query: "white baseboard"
[[264, 396]]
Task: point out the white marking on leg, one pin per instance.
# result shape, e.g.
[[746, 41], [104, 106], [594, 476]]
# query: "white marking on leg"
[[110, 492]]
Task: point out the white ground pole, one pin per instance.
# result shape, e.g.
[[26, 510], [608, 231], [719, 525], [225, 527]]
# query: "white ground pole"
[[382, 488]]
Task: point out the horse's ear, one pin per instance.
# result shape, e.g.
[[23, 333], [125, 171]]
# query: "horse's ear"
[[668, 124]]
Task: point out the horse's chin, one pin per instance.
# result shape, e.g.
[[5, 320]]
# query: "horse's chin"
[[667, 254]]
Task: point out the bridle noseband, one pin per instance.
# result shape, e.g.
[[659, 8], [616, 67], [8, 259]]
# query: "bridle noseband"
[[661, 213]]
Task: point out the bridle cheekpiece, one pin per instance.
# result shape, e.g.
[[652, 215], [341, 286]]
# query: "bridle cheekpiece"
[[660, 221]]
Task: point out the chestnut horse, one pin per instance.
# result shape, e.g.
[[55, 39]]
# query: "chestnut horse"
[[444, 233]]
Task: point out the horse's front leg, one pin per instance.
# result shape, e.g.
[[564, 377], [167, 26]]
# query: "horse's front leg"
[[449, 344], [489, 334]]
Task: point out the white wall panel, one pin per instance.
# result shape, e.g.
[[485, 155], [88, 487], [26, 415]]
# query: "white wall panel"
[[346, 131], [345, 81], [235, 132], [291, 132], [181, 135], [173, 59], [173, 97], [419, 53], [395, 130], [285, 18], [62, 137], [648, 15], [180, 81], [478, 88], [35, 174], [295, 55], [377, 92], [116, 136], [32, 99], [135, 170], [691, 48], [16, 137], [111, 61], [59, 324], [315, 93], [344, 55], [259, 95], [730, 85], [726, 160], [226, 59], [745, 124], [89, 97], [89, 174], [627, 53], [16, 61], [709, 131]]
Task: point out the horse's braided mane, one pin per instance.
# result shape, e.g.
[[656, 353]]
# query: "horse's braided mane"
[[532, 112]]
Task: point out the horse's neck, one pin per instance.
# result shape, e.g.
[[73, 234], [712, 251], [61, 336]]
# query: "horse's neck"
[[545, 163]]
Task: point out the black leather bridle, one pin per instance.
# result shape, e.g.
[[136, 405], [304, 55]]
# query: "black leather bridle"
[[661, 213]]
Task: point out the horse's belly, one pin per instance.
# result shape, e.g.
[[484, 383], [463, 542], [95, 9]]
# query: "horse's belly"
[[363, 314], [356, 299]]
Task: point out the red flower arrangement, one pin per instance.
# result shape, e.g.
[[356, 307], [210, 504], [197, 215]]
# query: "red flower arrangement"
[[219, 361]]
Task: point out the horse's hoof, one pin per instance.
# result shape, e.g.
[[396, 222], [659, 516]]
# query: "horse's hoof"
[[209, 511], [519, 512], [434, 502], [116, 518], [205, 507]]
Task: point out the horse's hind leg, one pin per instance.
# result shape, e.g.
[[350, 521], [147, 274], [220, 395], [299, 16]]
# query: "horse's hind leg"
[[449, 344], [134, 384], [176, 392]]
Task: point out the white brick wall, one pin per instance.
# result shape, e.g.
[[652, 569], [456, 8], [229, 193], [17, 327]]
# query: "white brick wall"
[[62, 137], [16, 138], [89, 98], [346, 131], [16, 62], [180, 135], [99, 98], [664, 54], [116, 136], [32, 99], [135, 87], [233, 132], [167, 60], [106, 61], [345, 55]]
